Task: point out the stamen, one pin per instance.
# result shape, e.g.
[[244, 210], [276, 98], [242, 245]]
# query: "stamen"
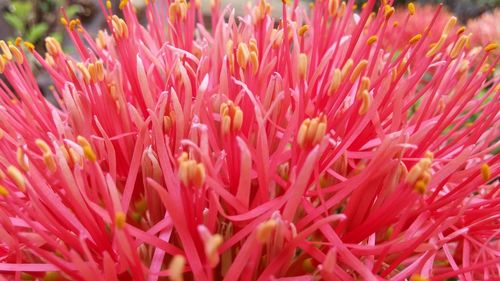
[[87, 148], [366, 102], [333, 6], [191, 173], [312, 131], [418, 277], [18, 56], [176, 268], [449, 25], [242, 55], [4, 192], [231, 117], [303, 29], [22, 160], [17, 177], [388, 11], [415, 39], [364, 85], [336, 80], [302, 65], [347, 68], [122, 4], [48, 157], [211, 249], [485, 171], [53, 46], [120, 219], [265, 229], [372, 39], [254, 60], [490, 47], [411, 8], [358, 70], [457, 49], [435, 48], [29, 46], [6, 50]]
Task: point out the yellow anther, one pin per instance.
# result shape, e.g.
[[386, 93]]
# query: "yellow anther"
[[48, 157], [120, 219], [312, 131], [303, 29], [211, 249], [420, 187], [449, 25], [242, 55], [436, 47], [18, 56], [4, 192], [3, 62], [229, 48], [342, 9], [415, 39], [411, 8], [17, 177], [29, 46], [101, 39], [302, 65], [22, 160], [366, 102], [6, 50], [336, 80], [252, 46], [84, 71], [418, 277], [364, 86], [358, 70], [459, 45], [254, 60], [52, 276], [485, 172], [72, 24], [388, 11], [108, 4], [18, 41], [333, 6], [122, 4], [176, 268], [119, 27], [490, 47], [347, 68], [461, 30], [388, 232], [191, 173], [53, 46], [63, 21], [276, 38], [372, 39], [88, 152], [75, 157], [265, 229], [231, 117], [99, 70]]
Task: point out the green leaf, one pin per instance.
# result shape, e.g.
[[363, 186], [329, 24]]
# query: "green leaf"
[[37, 31], [22, 9], [14, 21], [72, 10]]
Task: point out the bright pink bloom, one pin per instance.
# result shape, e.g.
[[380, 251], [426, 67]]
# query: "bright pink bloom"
[[253, 150]]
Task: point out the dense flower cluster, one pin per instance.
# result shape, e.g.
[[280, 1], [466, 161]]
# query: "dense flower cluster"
[[252, 150]]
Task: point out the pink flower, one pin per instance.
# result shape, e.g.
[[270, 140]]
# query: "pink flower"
[[297, 149], [485, 29]]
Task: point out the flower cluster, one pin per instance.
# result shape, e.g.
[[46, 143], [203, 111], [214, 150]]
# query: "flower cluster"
[[254, 149]]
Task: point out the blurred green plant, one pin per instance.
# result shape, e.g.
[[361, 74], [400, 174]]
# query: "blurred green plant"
[[35, 20]]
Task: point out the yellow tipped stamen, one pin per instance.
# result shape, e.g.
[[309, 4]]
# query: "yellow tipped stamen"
[[449, 25], [366, 102], [211, 249], [333, 6], [485, 172], [358, 70], [303, 29], [18, 41], [265, 229], [176, 268], [4, 192], [252, 46], [418, 277], [108, 4], [364, 85], [17, 177], [120, 28], [3, 62], [347, 68], [302, 65], [372, 39], [242, 55], [420, 187], [191, 173], [84, 71], [457, 49], [120, 219], [99, 69], [18, 56], [388, 232], [388, 11], [48, 157], [22, 160], [63, 21], [29, 46], [254, 60], [415, 39], [88, 152], [53, 46], [312, 131], [342, 9], [411, 8], [101, 39], [491, 47], [231, 117], [51, 276], [308, 265], [336, 80], [122, 4], [436, 47], [461, 30], [6, 50]]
